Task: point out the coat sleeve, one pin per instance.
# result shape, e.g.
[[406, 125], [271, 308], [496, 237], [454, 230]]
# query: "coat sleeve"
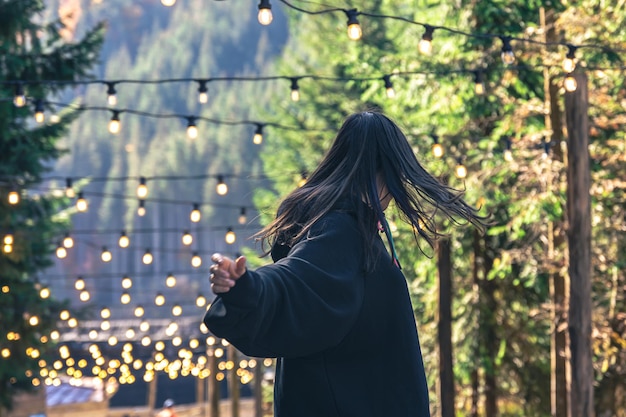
[[302, 304]]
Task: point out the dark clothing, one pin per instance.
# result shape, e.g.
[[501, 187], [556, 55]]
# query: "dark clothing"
[[346, 340]]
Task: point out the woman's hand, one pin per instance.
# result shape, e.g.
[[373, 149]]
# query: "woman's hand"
[[225, 272]]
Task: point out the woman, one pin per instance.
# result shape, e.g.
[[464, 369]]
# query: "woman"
[[334, 307]]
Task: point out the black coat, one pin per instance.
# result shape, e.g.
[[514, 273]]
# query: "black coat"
[[346, 340]]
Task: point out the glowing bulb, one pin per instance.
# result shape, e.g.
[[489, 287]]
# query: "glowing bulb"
[[123, 241], [295, 90], [127, 283], [159, 299], [187, 238], [69, 190], [354, 29], [111, 94], [125, 298], [145, 341], [44, 292], [242, 216], [569, 63], [8, 239], [64, 315], [230, 236], [68, 242], [79, 284], [84, 296], [106, 255], [139, 311], [196, 260], [460, 170], [201, 300], [14, 197], [195, 214], [141, 208], [221, 187], [192, 129], [105, 313], [479, 86], [144, 326], [33, 320], [425, 45], [170, 281], [115, 124], [257, 139], [203, 95], [508, 155], [72, 322], [570, 83], [389, 86], [437, 150], [507, 55], [61, 252], [177, 310], [7, 249], [39, 116], [147, 257], [19, 100], [142, 188], [265, 13], [81, 203], [168, 3]]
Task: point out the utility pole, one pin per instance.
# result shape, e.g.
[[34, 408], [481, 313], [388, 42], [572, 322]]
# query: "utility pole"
[[579, 238], [444, 327]]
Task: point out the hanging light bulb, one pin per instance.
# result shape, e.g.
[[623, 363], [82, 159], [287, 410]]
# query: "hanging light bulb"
[[144, 326], [230, 236], [105, 313], [389, 86], [159, 299], [79, 284], [127, 282], [196, 260], [569, 63], [354, 29], [200, 300], [195, 214], [39, 116], [257, 139], [68, 242], [44, 292], [106, 255], [177, 310], [111, 94], [460, 170], [479, 85], [221, 187], [425, 45], [123, 241], [139, 311], [84, 296], [570, 83], [14, 196], [303, 177], [7, 249], [125, 298], [203, 92], [142, 188], [437, 148], [69, 189], [168, 3], [508, 154], [507, 55], [192, 130], [147, 257], [547, 147], [265, 13], [64, 315], [242, 216], [8, 239], [19, 99], [61, 251], [170, 281], [115, 124], [295, 90], [187, 238], [81, 203], [141, 208]]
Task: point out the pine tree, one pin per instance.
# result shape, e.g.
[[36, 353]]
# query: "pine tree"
[[31, 54]]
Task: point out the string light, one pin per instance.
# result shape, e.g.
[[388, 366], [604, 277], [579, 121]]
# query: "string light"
[[177, 310], [570, 83], [437, 148], [200, 300], [123, 241], [507, 55], [106, 255], [195, 214], [265, 16], [303, 178], [125, 298], [230, 236], [141, 208], [295, 90], [389, 86], [79, 284], [81, 203], [44, 292], [170, 281], [8, 239], [61, 252], [159, 299], [14, 196], [508, 154], [257, 139], [354, 29], [479, 85], [221, 188], [242, 216], [19, 99], [192, 129], [139, 311], [168, 3], [105, 313], [111, 94], [425, 45], [196, 260], [39, 116], [569, 63], [144, 326], [69, 189], [147, 257], [127, 282], [115, 124], [203, 92], [460, 171], [68, 242], [187, 238], [142, 188], [84, 296]]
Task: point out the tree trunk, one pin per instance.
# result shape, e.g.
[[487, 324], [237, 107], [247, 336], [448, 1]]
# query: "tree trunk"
[[489, 307], [446, 374], [579, 238]]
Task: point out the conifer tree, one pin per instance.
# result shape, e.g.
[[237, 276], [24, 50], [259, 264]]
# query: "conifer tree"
[[32, 54]]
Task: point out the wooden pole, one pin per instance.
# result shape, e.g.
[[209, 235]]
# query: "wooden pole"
[[214, 385], [579, 239], [234, 381], [152, 393], [444, 327], [258, 388]]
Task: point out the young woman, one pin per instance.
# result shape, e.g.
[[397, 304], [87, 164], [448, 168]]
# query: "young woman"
[[334, 307]]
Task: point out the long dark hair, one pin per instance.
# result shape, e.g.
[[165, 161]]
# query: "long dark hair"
[[369, 145]]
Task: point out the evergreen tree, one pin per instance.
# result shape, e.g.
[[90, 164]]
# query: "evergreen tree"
[[31, 218]]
